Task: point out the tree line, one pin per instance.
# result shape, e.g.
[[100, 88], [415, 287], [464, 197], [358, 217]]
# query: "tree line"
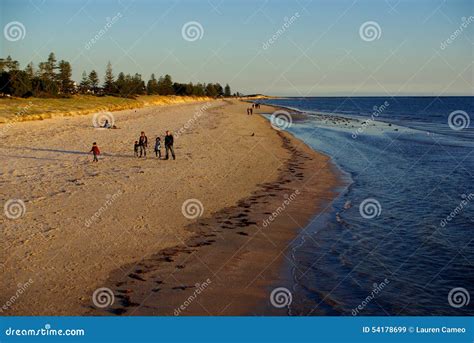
[[53, 79]]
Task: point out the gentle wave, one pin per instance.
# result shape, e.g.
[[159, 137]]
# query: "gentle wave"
[[418, 175]]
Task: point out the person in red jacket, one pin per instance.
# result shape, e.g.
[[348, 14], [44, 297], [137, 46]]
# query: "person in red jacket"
[[95, 151]]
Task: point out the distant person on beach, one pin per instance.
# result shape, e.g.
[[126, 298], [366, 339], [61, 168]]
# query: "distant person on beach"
[[106, 124], [251, 111], [135, 148], [95, 151], [158, 147], [143, 144], [169, 140]]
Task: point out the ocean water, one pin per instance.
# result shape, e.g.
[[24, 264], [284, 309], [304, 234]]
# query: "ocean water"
[[399, 239]]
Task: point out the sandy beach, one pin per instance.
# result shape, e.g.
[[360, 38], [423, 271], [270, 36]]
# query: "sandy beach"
[[119, 223]]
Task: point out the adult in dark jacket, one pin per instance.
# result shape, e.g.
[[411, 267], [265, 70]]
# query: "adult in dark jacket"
[[143, 143], [169, 140]]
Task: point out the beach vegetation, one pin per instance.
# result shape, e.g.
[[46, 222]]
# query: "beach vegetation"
[[53, 79]]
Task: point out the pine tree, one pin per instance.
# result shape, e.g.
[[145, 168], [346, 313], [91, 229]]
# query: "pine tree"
[[30, 70], [50, 67], [211, 90], [51, 78], [19, 83], [10, 64], [199, 90], [219, 89], [64, 77], [109, 84], [94, 82], [138, 86], [84, 86], [152, 85], [227, 92], [189, 89], [48, 81], [165, 85], [120, 84]]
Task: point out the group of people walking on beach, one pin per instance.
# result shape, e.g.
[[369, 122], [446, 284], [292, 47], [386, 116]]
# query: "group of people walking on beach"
[[250, 109], [141, 146]]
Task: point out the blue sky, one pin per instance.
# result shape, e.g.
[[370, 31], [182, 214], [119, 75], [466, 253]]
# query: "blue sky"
[[320, 53]]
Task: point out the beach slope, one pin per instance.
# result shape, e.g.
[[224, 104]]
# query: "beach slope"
[[122, 223]]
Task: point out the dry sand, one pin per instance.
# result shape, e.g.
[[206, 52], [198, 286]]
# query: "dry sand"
[[139, 243]]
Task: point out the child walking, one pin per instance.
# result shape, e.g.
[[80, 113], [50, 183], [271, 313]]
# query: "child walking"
[[95, 151], [158, 147], [135, 148]]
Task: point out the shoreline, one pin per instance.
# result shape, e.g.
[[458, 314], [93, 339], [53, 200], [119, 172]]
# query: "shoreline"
[[236, 165], [181, 279]]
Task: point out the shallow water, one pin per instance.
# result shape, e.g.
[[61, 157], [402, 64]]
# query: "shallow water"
[[404, 253]]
